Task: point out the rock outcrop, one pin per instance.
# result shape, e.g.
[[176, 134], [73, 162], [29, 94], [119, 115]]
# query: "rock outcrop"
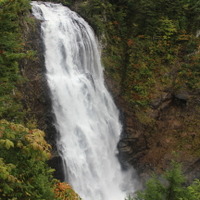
[[166, 130]]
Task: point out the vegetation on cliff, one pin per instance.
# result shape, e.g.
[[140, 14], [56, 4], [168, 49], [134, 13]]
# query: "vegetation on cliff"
[[11, 52]]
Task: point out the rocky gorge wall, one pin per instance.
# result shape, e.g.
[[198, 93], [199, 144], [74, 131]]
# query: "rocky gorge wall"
[[168, 130]]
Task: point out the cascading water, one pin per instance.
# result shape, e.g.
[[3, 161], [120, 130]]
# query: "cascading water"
[[86, 117]]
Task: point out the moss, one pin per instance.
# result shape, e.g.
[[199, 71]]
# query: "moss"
[[144, 118]]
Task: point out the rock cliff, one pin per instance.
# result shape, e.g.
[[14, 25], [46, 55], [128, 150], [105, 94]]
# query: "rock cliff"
[[167, 130]]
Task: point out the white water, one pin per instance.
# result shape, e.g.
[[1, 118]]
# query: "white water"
[[86, 117]]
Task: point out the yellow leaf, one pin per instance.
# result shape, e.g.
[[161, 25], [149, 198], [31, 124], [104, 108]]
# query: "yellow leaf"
[[8, 144]]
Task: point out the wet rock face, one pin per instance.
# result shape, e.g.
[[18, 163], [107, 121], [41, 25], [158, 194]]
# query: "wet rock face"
[[56, 163], [166, 130], [35, 91]]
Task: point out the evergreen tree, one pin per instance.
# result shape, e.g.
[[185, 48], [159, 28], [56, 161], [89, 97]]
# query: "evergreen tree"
[[170, 186]]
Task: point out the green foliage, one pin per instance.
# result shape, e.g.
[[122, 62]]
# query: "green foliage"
[[171, 186], [24, 173], [12, 15], [193, 9], [166, 28], [175, 180], [193, 191], [154, 190], [96, 12]]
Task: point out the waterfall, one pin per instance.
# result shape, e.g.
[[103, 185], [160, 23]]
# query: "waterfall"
[[87, 119]]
